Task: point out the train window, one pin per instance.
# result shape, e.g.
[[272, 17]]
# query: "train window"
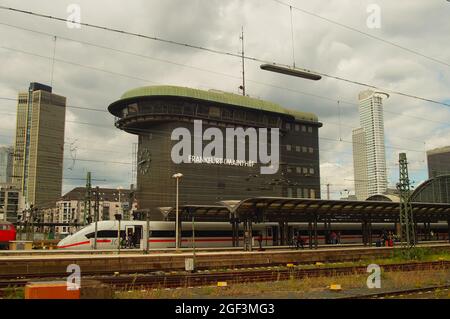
[[105, 234]]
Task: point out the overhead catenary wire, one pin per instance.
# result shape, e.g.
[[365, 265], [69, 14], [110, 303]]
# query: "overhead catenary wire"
[[374, 37], [221, 52], [204, 70]]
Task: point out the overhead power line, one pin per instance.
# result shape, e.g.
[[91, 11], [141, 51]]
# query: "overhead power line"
[[363, 33], [216, 51]]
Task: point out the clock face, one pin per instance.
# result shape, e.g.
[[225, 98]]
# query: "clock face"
[[144, 160]]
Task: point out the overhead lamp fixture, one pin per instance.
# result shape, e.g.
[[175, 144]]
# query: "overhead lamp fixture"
[[292, 72]]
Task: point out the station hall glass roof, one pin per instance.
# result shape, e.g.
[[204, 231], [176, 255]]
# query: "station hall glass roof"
[[278, 209]]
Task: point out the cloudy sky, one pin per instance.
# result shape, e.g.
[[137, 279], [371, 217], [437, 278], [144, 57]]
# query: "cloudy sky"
[[92, 68]]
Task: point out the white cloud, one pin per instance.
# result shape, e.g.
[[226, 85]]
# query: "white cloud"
[[319, 45]]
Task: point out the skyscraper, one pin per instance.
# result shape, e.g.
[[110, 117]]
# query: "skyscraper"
[[6, 164], [39, 145], [372, 127], [360, 163]]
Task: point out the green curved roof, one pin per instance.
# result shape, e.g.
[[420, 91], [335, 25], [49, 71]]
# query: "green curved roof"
[[216, 96]]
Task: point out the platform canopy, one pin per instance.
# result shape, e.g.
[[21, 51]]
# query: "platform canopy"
[[282, 209], [271, 209], [218, 213]]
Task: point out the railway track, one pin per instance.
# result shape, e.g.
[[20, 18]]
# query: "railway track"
[[159, 281]]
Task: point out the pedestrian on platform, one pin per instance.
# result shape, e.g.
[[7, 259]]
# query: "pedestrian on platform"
[[260, 240], [333, 238], [300, 241]]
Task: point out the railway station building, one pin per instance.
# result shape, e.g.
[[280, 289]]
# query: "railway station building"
[[162, 117]]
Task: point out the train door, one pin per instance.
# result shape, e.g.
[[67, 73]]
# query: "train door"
[[138, 236], [133, 236], [275, 236], [267, 236]]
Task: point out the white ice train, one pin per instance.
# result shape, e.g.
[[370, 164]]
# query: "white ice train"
[[209, 234]]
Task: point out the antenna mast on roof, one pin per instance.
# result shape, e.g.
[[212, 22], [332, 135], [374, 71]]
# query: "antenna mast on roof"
[[242, 87]]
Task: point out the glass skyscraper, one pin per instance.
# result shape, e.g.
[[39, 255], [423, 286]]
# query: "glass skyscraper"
[[368, 146], [39, 145]]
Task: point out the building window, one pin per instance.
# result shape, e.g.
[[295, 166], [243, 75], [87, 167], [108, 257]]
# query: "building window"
[[304, 149], [311, 171], [310, 149], [297, 148], [288, 126], [227, 114], [214, 111], [299, 193], [297, 127], [289, 192], [289, 169], [305, 170], [309, 129], [299, 170], [313, 193], [202, 110], [288, 147], [305, 193], [303, 128], [133, 108]]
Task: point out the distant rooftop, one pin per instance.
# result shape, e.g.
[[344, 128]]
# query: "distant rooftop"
[[439, 150], [106, 194], [35, 86], [213, 96]]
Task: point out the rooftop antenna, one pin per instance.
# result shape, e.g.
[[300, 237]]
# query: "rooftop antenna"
[[242, 87]]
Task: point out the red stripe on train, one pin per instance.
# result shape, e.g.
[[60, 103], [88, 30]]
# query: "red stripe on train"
[[85, 243]]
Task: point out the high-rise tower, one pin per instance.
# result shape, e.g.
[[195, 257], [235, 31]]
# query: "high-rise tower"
[[360, 163], [6, 163], [372, 127], [39, 145]]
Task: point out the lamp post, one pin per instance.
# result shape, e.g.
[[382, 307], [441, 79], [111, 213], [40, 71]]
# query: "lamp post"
[[120, 200], [193, 241], [147, 245], [118, 218], [177, 176]]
